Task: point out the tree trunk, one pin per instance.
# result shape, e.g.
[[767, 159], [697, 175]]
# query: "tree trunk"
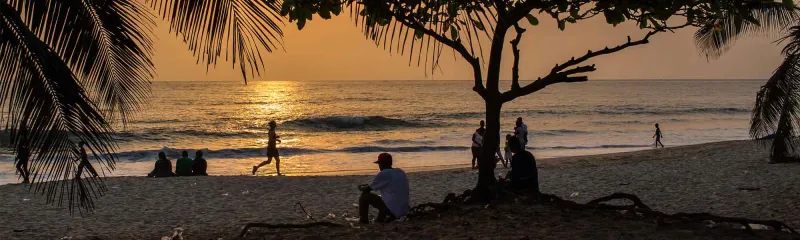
[[487, 160]]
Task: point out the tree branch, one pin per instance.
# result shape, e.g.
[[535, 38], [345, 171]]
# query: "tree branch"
[[590, 54], [515, 47], [561, 73]]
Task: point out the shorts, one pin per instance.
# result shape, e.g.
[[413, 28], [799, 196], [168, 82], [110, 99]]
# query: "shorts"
[[272, 152], [476, 151]]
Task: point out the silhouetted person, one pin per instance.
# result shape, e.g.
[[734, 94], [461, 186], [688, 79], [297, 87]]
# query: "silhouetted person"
[[183, 166], [163, 167], [199, 164], [524, 175], [499, 154], [84, 161], [477, 144], [394, 199], [658, 136], [23, 155], [509, 138], [521, 132], [272, 149]]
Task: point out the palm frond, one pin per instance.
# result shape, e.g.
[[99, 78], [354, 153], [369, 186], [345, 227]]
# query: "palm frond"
[[792, 41], [106, 43], [378, 23], [718, 35], [41, 95], [241, 29], [785, 143]]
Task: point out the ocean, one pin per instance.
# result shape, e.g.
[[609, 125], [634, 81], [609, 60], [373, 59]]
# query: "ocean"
[[339, 127]]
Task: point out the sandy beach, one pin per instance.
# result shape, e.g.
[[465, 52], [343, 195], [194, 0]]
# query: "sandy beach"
[[696, 178]]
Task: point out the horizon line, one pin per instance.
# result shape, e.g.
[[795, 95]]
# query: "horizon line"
[[454, 80]]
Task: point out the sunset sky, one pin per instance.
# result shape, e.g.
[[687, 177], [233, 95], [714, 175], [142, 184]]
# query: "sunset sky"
[[336, 50]]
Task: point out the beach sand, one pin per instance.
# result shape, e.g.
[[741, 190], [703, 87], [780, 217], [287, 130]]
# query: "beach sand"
[[697, 178]]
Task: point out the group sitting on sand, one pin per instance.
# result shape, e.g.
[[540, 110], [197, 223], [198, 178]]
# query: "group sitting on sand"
[[184, 166]]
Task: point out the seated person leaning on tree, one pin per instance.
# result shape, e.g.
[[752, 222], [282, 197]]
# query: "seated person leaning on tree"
[[394, 200], [523, 175]]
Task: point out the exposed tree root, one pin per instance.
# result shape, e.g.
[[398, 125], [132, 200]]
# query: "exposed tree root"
[[637, 209]]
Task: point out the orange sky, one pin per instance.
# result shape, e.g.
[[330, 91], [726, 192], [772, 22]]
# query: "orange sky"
[[336, 50]]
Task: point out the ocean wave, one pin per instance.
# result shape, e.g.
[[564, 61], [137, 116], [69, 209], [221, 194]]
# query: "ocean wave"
[[594, 147], [401, 141], [619, 110], [163, 134], [351, 123], [557, 132]]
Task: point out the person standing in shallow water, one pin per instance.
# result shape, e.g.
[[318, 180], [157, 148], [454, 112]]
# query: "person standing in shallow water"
[[23, 155], [272, 149], [658, 137], [477, 143]]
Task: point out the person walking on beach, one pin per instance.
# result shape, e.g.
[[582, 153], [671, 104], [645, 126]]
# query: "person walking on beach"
[[394, 201], [23, 155], [163, 167], [521, 132], [199, 164], [658, 137], [183, 166], [272, 149], [84, 162], [477, 143]]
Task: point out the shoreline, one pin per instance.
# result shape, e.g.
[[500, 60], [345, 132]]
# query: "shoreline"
[[692, 178]]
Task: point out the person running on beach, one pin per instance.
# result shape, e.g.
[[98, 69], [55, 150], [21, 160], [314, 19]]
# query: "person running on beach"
[[199, 165], [23, 155], [394, 201], [477, 143], [521, 132], [163, 167], [272, 149], [183, 166], [658, 137], [84, 162]]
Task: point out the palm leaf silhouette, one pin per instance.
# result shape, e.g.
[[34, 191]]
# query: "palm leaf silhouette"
[[41, 95], [241, 29], [381, 25], [73, 67], [718, 35]]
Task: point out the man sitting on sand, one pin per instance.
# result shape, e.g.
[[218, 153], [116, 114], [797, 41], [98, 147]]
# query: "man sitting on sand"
[[183, 166], [524, 175], [394, 200], [163, 167], [199, 164]]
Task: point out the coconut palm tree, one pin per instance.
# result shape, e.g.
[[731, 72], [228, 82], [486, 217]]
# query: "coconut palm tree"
[[776, 113], [73, 70]]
